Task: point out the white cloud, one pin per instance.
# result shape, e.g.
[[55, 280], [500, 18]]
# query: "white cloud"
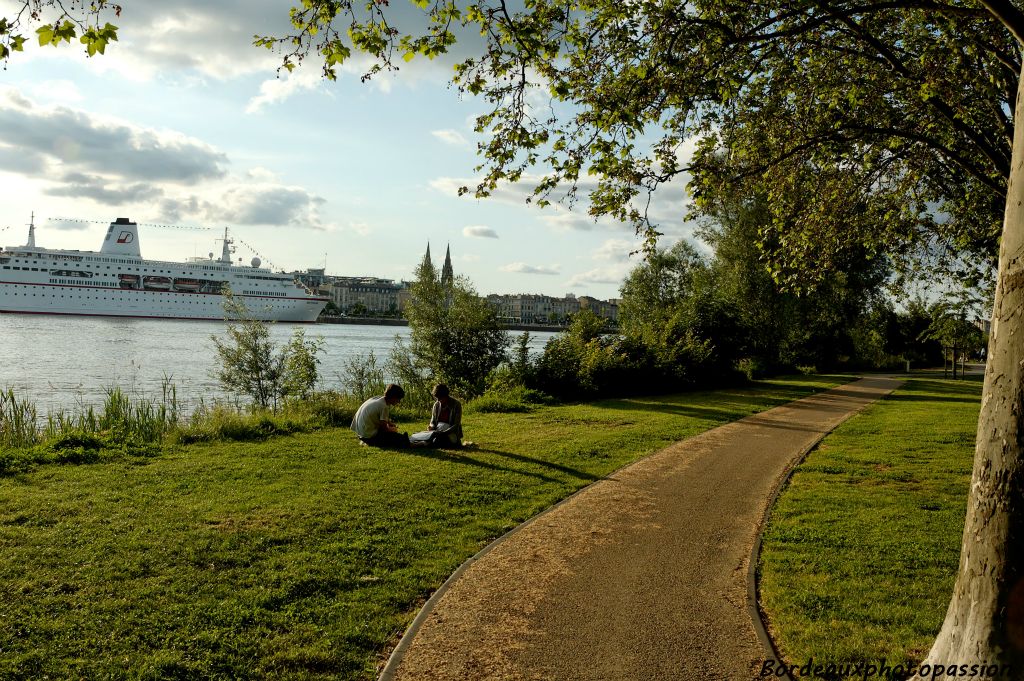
[[600, 275], [72, 143], [57, 92], [558, 216], [564, 220], [452, 137], [616, 250], [163, 175], [523, 268], [267, 205], [479, 232], [101, 190], [278, 89], [261, 174]]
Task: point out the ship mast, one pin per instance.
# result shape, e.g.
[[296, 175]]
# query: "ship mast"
[[31, 231], [225, 255]]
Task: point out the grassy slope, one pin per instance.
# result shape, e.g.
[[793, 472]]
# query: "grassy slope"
[[862, 547], [299, 557]]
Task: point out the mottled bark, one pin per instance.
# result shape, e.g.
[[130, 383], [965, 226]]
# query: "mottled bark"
[[984, 624]]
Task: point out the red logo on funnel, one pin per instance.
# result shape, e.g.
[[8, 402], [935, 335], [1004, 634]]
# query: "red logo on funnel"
[[124, 238]]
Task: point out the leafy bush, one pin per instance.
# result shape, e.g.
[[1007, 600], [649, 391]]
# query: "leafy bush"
[[75, 455], [327, 409], [75, 439], [582, 362], [13, 462], [504, 397], [361, 376], [753, 368], [498, 403], [415, 378], [222, 423], [251, 365]]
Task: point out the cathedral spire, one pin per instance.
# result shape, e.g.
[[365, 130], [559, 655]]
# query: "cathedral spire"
[[447, 273], [426, 258]]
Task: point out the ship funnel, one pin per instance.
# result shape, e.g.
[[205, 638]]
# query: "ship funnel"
[[122, 238]]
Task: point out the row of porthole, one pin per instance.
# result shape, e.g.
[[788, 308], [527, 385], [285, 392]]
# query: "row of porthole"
[[101, 284], [191, 301], [36, 262]]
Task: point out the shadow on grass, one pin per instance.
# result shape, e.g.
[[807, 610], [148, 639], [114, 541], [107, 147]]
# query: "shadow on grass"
[[738, 404], [463, 456], [935, 398], [568, 470], [714, 414]]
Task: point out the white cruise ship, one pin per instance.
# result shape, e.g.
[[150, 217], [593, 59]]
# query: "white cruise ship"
[[117, 281]]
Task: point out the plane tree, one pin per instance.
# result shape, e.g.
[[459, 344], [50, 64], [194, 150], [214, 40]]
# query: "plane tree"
[[883, 127]]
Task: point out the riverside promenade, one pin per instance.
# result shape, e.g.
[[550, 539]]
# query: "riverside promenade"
[[642, 575]]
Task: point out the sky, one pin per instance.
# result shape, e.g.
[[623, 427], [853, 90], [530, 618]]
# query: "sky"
[[187, 128]]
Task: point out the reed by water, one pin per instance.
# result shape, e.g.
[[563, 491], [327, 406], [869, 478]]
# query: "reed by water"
[[139, 426]]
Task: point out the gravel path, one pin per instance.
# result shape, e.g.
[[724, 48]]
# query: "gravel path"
[[642, 575]]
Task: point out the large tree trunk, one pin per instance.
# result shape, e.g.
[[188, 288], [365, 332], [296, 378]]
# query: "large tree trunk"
[[985, 621]]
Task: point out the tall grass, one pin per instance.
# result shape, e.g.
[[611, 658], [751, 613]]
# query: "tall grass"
[[17, 421]]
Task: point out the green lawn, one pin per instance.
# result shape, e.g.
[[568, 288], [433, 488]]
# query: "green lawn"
[[862, 548], [300, 557]]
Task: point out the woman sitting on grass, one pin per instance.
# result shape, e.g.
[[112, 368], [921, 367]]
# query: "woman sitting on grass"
[[445, 418]]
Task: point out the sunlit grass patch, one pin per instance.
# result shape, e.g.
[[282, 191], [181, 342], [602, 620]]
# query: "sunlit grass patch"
[[862, 547]]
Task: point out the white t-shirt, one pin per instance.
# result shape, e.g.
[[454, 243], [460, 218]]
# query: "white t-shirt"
[[371, 414]]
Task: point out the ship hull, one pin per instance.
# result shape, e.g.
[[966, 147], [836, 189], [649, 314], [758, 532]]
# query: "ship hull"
[[117, 281], [17, 297]]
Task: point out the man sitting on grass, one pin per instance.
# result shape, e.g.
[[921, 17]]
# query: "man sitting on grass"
[[372, 422]]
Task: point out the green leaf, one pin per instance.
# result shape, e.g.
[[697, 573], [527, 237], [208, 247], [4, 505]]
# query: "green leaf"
[[45, 34]]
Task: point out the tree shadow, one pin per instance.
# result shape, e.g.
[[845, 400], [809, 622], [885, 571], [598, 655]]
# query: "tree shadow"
[[522, 458], [690, 410], [780, 425], [934, 398], [463, 456]]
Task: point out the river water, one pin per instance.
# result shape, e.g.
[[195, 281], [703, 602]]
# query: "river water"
[[68, 362]]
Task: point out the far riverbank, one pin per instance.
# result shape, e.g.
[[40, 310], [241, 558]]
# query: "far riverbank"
[[391, 321]]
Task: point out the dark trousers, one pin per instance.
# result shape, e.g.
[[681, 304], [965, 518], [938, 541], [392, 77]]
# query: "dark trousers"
[[388, 439]]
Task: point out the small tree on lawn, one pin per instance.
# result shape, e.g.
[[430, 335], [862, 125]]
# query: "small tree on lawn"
[[251, 364], [454, 333]]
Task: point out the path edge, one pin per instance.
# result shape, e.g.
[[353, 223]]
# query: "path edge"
[[757, 616], [395, 659]]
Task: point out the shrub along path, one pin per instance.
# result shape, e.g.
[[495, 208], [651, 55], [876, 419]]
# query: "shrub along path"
[[642, 575]]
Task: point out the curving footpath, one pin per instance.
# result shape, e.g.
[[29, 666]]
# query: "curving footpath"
[[643, 575]]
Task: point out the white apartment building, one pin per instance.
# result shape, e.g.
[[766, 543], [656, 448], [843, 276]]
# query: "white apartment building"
[[532, 308], [377, 296]]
